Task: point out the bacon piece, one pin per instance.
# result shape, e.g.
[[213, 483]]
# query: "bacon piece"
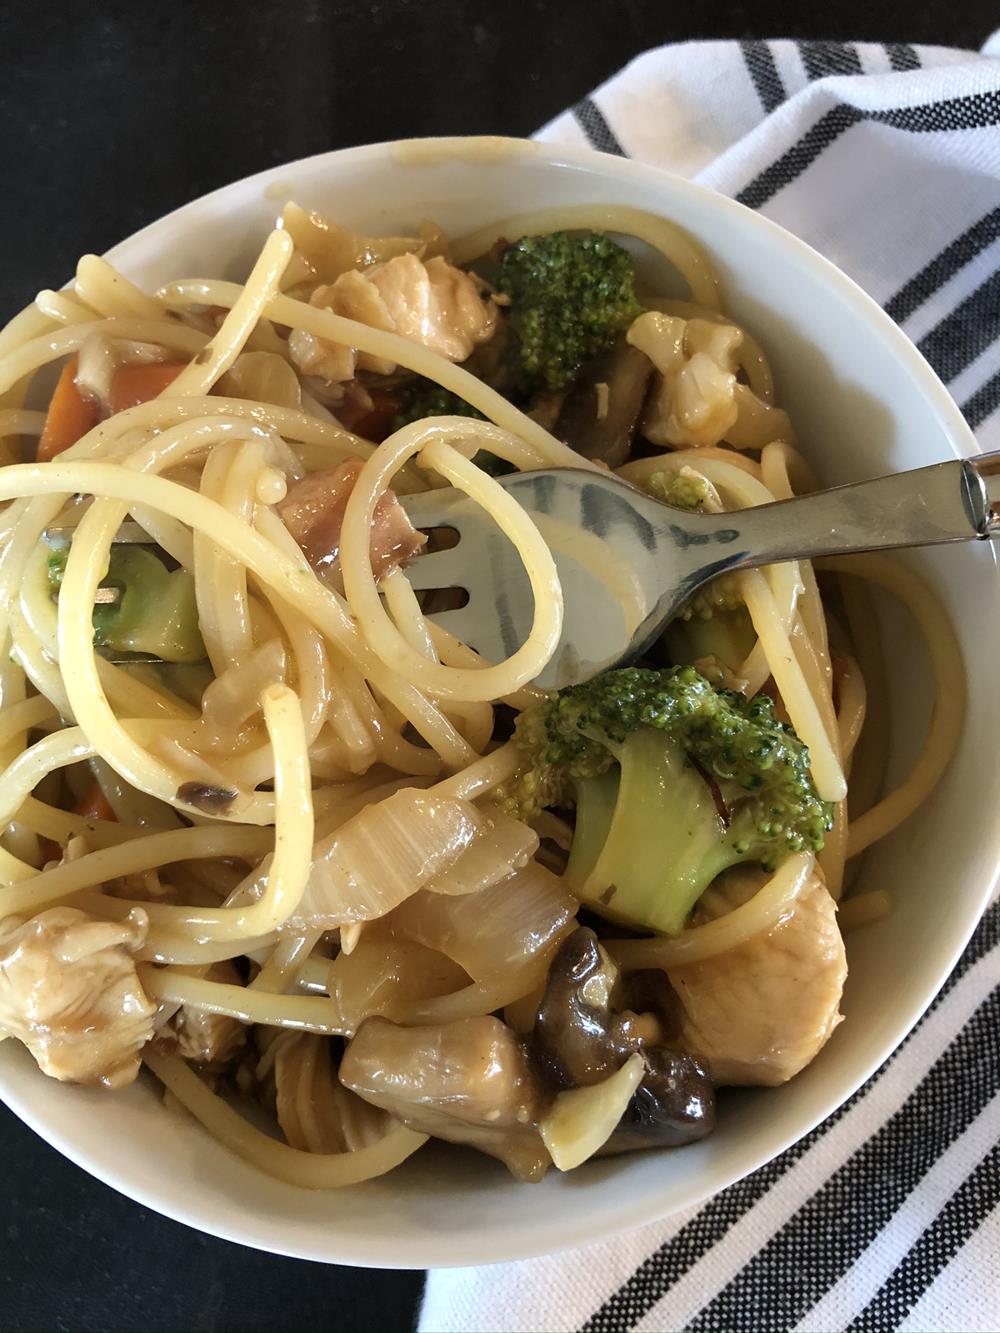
[[313, 512]]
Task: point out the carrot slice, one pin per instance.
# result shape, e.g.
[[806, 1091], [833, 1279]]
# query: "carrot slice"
[[93, 804], [69, 418], [133, 385]]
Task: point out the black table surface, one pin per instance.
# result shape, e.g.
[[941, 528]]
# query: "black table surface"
[[110, 115]]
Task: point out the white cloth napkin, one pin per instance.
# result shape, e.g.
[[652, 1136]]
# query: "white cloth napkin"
[[886, 159]]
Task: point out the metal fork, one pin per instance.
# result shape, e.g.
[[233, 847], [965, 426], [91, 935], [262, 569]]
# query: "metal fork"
[[629, 563]]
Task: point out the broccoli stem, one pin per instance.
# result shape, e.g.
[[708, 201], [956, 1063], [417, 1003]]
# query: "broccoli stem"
[[626, 874]]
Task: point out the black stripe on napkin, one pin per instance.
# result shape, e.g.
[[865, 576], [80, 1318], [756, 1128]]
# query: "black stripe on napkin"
[[983, 403], [902, 56], [974, 111], [759, 60], [660, 1270], [830, 126], [963, 250], [964, 1212], [594, 124], [823, 59], [837, 1224], [960, 337]]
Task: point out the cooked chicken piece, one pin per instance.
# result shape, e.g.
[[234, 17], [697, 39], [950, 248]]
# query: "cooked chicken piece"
[[432, 303], [69, 991], [314, 1109], [759, 1013], [435, 304], [210, 1038], [354, 296], [468, 1082], [313, 512]]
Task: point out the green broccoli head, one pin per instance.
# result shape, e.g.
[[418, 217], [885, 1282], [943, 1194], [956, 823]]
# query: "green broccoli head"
[[426, 399], [570, 294], [674, 780], [682, 488], [730, 637], [155, 612]]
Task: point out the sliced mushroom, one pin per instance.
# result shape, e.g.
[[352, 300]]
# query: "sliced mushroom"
[[602, 410], [581, 1040], [468, 1082], [674, 1104], [573, 1042]]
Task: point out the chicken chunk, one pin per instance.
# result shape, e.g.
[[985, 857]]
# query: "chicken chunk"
[[69, 991], [433, 304], [313, 512], [210, 1038], [760, 1013], [467, 1081]]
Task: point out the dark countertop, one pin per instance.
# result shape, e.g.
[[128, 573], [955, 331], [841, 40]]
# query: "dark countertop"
[[110, 115]]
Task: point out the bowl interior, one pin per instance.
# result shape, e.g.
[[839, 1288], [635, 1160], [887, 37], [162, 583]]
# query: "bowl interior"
[[864, 403]]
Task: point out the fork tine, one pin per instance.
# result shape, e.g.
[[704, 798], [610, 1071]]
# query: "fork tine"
[[461, 623], [444, 508], [438, 569]]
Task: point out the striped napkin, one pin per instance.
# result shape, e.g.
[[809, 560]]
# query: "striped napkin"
[[887, 1216]]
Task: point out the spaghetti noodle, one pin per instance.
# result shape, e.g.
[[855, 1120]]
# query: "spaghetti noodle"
[[249, 784]]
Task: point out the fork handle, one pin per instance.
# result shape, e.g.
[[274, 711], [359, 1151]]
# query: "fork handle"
[[946, 502]]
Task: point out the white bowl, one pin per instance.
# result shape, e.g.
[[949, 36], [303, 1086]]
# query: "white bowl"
[[865, 402]]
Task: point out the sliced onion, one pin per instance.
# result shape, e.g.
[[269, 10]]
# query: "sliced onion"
[[263, 377], [100, 358], [129, 352], [234, 697], [496, 932], [389, 976], [96, 364], [504, 846], [382, 856], [582, 1120]]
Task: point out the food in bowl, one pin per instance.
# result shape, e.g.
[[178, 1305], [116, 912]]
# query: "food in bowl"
[[272, 831]]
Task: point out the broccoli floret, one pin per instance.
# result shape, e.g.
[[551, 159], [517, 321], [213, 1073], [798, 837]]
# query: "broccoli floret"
[[673, 782], [570, 294], [56, 566], [155, 610], [684, 489], [727, 637], [722, 632], [427, 399]]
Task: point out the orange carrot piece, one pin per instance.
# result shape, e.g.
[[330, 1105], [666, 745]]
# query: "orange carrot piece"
[[69, 418], [133, 385], [93, 804]]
